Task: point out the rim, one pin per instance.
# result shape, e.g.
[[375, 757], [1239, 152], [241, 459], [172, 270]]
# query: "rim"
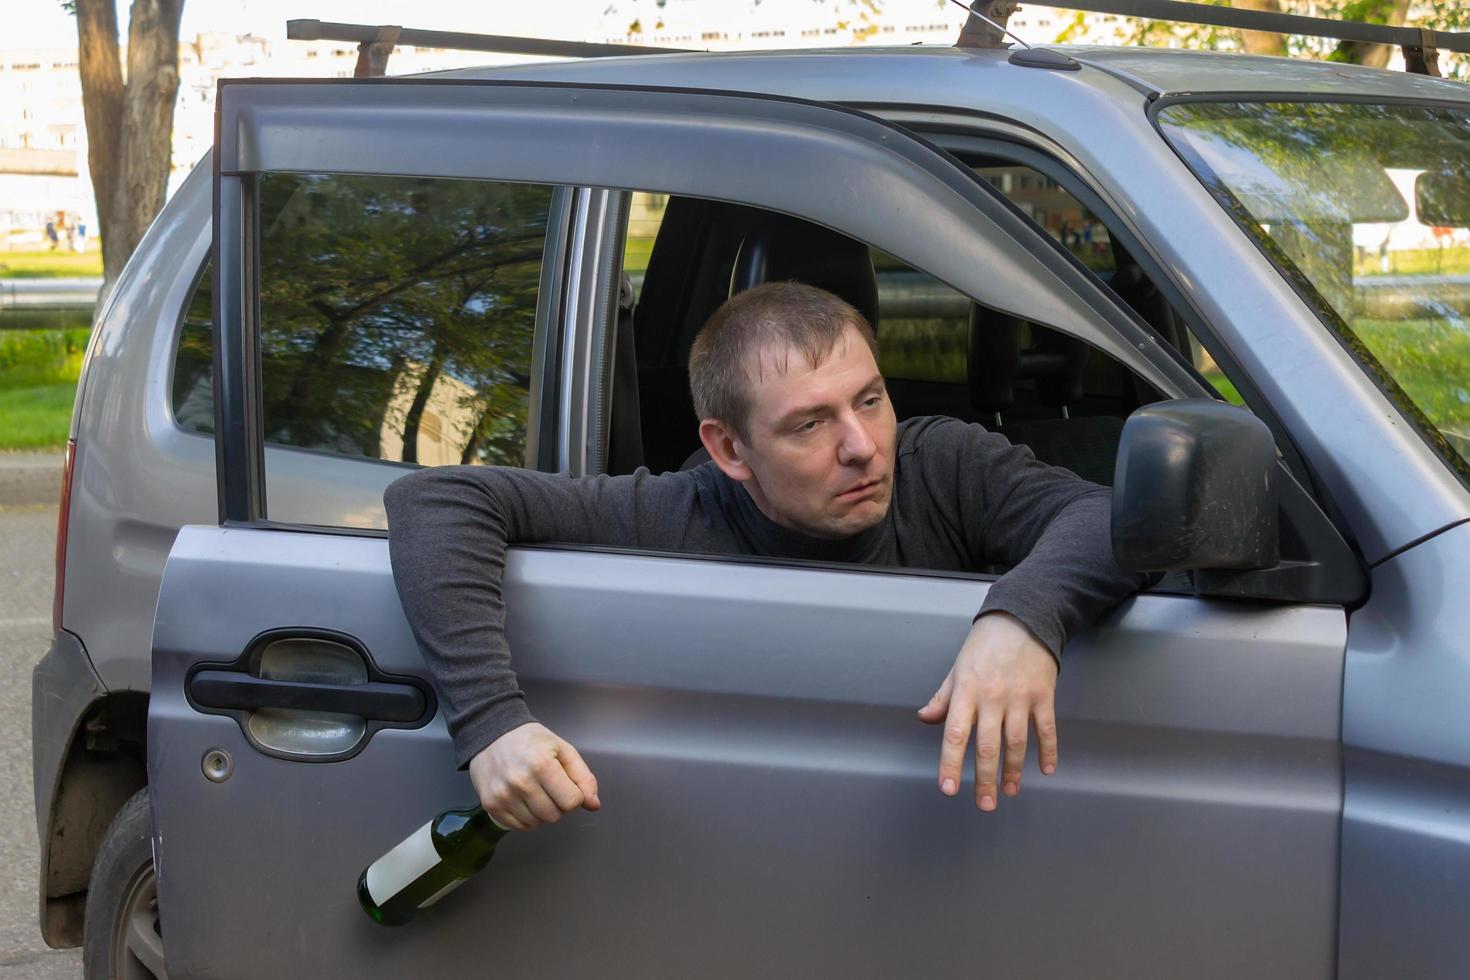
[[137, 937]]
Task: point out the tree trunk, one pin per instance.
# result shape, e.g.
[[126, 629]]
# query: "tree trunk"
[[102, 98], [1391, 12], [1262, 42], [420, 403], [477, 436], [129, 124]]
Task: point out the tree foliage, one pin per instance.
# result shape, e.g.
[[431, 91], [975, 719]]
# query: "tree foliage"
[[388, 304], [1444, 16]]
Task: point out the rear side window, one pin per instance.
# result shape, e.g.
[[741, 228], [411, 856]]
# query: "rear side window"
[[397, 318]]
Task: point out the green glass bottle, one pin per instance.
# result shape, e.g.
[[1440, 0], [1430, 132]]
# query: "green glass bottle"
[[428, 864]]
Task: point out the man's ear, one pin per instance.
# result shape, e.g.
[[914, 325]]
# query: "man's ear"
[[725, 448]]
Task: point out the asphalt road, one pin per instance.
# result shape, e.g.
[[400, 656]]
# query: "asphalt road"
[[27, 544]]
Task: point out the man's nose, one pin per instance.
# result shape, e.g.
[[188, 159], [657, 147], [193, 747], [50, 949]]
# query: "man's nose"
[[857, 444]]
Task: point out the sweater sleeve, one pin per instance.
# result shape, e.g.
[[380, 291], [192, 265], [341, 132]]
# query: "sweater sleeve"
[[449, 528], [1051, 528]]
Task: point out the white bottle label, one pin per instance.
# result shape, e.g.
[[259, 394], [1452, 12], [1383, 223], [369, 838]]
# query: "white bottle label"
[[400, 867]]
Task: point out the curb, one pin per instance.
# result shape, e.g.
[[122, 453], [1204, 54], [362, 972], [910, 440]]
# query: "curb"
[[27, 479]]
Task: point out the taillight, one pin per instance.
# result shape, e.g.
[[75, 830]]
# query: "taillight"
[[62, 514]]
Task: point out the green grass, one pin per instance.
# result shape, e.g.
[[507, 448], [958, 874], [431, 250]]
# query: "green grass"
[[41, 357], [924, 350], [38, 379], [27, 319], [1454, 260], [1430, 360], [1224, 387], [635, 256], [40, 265], [36, 417]]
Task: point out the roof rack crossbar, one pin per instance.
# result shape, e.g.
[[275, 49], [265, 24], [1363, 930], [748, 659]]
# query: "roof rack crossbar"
[[365, 34], [1273, 23]]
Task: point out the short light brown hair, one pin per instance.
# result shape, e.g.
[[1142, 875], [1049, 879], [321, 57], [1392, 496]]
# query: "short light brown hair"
[[793, 314]]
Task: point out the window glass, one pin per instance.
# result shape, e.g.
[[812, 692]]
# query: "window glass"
[[193, 384], [645, 216], [397, 317], [924, 324], [1366, 208], [1061, 215]]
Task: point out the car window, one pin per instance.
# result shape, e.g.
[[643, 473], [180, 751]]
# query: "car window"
[[941, 353], [1057, 211], [1366, 210], [645, 215], [926, 322], [397, 319]]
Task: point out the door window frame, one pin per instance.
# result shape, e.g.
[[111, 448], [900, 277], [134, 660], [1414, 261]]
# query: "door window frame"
[[1307, 510], [242, 489], [1158, 273], [336, 126]]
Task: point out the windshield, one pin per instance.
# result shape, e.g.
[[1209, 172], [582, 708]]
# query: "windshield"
[[1366, 208]]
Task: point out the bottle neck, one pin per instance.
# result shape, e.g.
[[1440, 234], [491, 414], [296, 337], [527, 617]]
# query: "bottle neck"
[[472, 820]]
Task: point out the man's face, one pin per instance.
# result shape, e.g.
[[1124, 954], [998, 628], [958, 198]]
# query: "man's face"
[[819, 441]]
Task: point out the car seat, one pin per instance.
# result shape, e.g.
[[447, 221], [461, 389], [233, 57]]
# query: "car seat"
[[1055, 364]]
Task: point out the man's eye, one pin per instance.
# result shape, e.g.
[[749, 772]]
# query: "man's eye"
[[807, 426]]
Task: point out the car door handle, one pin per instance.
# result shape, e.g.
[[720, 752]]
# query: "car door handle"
[[374, 701]]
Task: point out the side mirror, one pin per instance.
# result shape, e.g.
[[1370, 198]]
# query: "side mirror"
[[1442, 198], [1195, 488]]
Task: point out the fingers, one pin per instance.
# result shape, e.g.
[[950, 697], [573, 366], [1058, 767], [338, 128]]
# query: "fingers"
[[934, 711], [987, 756], [1018, 718], [1046, 736], [511, 814], [952, 747], [560, 790], [529, 776], [536, 796], [518, 803], [580, 776]]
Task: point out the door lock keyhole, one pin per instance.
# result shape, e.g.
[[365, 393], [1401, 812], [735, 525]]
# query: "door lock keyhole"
[[217, 765]]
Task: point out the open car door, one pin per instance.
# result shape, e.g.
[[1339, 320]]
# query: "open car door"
[[769, 800]]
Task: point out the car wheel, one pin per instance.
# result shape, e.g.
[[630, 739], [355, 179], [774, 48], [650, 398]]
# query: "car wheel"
[[121, 937]]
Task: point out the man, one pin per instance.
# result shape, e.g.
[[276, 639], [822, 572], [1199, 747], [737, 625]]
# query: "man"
[[807, 460]]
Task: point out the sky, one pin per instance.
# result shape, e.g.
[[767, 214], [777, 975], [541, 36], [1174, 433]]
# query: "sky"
[[43, 23]]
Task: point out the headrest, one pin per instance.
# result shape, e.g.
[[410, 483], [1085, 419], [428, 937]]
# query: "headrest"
[[1055, 361], [781, 249], [995, 359]]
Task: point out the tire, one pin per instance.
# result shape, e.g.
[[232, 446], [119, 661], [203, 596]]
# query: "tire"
[[121, 938]]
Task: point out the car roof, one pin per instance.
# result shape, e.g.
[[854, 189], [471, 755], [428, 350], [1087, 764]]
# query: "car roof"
[[944, 75]]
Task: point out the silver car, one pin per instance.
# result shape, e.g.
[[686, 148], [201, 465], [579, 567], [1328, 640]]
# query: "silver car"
[[1265, 769]]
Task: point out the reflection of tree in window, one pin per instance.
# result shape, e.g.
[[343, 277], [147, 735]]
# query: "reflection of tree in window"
[[1318, 183], [387, 301]]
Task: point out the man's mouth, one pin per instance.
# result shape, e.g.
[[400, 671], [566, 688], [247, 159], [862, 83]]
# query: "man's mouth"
[[857, 492]]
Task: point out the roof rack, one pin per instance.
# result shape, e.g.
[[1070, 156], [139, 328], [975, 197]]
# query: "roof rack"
[[375, 44], [1421, 47]]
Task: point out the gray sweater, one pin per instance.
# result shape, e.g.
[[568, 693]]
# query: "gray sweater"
[[964, 499]]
